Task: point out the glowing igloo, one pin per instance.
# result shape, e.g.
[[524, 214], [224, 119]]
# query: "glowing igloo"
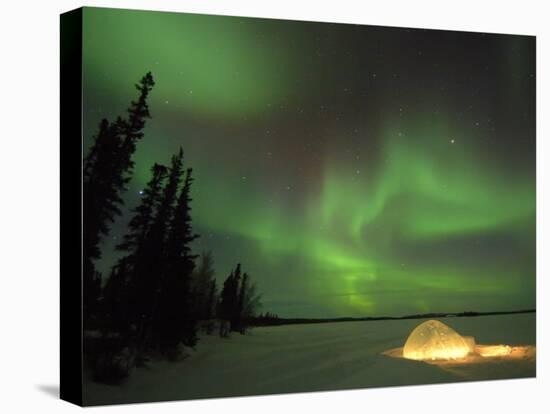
[[433, 340]]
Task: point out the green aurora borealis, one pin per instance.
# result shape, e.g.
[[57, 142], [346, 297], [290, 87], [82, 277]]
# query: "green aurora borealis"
[[352, 170]]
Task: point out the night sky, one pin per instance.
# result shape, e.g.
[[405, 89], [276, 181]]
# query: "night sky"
[[352, 170]]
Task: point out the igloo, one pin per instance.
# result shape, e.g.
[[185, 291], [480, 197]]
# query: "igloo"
[[433, 340]]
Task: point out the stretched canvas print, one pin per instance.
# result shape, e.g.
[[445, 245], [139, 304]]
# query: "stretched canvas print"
[[257, 206]]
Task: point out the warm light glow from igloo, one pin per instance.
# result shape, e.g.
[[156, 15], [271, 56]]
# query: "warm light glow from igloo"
[[436, 343], [433, 340], [493, 350]]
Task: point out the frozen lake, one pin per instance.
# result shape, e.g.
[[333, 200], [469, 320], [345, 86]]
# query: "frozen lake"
[[318, 357]]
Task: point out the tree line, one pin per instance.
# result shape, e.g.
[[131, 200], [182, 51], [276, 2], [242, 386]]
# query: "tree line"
[[159, 292]]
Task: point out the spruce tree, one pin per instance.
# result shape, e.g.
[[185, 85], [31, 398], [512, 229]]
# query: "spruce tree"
[[140, 224], [238, 300], [229, 298], [178, 317], [225, 304], [203, 280], [107, 170], [151, 265], [116, 311], [235, 317], [239, 323], [129, 287], [181, 232], [211, 300], [100, 206], [251, 301], [131, 130]]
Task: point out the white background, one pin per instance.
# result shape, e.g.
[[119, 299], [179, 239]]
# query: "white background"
[[29, 207]]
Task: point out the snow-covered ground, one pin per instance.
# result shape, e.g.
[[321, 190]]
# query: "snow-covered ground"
[[318, 357]]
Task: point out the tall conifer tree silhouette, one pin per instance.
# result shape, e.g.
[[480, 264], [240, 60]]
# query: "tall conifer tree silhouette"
[[151, 266], [106, 172], [177, 316], [124, 286]]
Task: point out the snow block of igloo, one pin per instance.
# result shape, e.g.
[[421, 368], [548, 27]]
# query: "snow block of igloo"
[[471, 342], [433, 340]]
